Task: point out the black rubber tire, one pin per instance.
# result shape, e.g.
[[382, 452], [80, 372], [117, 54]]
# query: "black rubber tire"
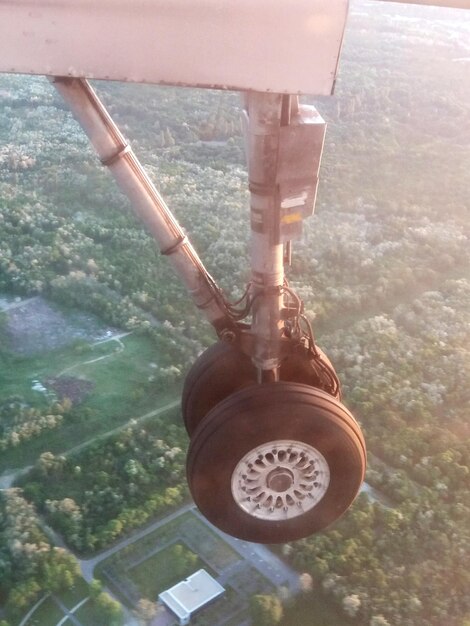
[[223, 369], [266, 413], [219, 371]]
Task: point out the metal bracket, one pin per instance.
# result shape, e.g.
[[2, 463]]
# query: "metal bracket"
[[121, 151], [181, 241]]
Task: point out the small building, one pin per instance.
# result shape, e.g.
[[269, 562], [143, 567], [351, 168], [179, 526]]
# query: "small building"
[[190, 595]]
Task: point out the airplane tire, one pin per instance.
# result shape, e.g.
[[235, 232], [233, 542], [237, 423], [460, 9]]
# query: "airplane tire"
[[223, 369], [219, 371], [276, 462]]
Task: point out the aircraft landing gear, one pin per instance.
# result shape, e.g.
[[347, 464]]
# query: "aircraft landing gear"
[[274, 455], [223, 369], [276, 462]]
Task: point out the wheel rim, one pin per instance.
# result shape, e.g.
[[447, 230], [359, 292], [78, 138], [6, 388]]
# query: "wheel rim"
[[280, 480]]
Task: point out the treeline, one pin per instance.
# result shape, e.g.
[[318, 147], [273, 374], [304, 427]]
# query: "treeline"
[[403, 566], [112, 486], [403, 563], [29, 564], [32, 568], [20, 422]]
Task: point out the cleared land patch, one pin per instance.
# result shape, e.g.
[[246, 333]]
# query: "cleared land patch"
[[118, 388], [37, 326], [75, 389]]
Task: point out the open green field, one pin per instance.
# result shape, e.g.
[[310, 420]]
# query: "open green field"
[[50, 613], [118, 368], [85, 615], [47, 614], [163, 570], [72, 597], [121, 391]]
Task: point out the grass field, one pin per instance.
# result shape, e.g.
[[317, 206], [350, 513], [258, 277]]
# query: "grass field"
[[208, 544], [117, 368], [47, 614], [163, 570], [18, 372], [85, 614], [72, 597], [122, 391]]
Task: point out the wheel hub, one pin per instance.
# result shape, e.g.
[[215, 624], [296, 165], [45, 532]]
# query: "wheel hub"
[[280, 480]]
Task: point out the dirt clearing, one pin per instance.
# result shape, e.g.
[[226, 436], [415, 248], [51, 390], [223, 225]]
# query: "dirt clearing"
[[34, 326]]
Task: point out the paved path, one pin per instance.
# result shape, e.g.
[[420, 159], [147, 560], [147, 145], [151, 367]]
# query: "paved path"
[[7, 480], [31, 611], [88, 565], [15, 305], [53, 536], [376, 495], [131, 422], [68, 614], [117, 338], [261, 558]]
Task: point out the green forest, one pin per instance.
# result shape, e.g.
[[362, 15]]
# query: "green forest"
[[383, 270]]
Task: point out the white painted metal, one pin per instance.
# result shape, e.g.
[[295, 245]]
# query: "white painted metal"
[[263, 45], [280, 480], [453, 4], [145, 199], [262, 126], [283, 163]]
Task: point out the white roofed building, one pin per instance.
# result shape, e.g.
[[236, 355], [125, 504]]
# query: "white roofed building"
[[190, 595]]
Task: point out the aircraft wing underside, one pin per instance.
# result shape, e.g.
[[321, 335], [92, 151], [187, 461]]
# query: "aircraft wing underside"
[[267, 45]]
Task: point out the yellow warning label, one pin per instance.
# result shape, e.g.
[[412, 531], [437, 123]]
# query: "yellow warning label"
[[291, 218]]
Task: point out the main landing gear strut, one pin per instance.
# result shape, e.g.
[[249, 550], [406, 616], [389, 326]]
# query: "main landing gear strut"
[[274, 455]]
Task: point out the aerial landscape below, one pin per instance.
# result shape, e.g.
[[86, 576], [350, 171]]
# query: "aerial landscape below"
[[97, 335]]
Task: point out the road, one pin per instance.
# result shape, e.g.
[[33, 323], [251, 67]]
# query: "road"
[[131, 422], [117, 338], [258, 556], [4, 306], [88, 565], [261, 558], [7, 480]]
